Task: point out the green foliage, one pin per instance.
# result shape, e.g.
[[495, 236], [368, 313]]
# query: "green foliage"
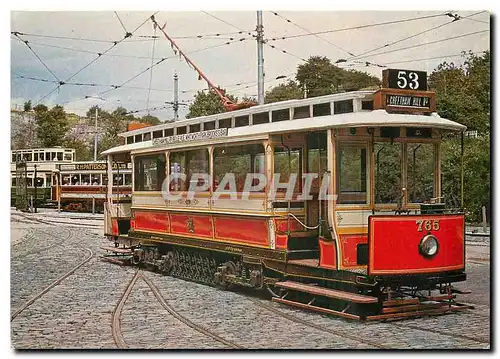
[[463, 92], [207, 103], [289, 91], [51, 125], [320, 77], [463, 95], [27, 106], [83, 150]]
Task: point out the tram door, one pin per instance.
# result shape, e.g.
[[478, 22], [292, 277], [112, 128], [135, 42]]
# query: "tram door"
[[316, 167]]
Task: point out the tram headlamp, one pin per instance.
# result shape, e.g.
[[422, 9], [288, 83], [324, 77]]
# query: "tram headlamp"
[[428, 246]]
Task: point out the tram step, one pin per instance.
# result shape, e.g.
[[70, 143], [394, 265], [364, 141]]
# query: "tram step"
[[326, 292], [396, 302], [118, 250], [417, 313], [315, 308]]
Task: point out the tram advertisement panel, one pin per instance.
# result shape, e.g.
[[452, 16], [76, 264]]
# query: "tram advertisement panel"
[[415, 244]]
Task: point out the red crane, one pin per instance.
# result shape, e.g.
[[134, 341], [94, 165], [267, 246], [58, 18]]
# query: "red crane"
[[226, 102]]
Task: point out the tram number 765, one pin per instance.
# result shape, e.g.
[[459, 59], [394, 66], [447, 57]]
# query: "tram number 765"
[[427, 225]]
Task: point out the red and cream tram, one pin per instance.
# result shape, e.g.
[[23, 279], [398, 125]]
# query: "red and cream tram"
[[330, 203], [82, 185]]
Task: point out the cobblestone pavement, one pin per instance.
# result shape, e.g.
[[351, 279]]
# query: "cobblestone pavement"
[[77, 313]]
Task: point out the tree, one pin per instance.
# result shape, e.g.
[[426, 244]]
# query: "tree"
[[463, 95], [289, 91], [153, 120], [51, 125], [207, 103], [320, 77], [27, 106]]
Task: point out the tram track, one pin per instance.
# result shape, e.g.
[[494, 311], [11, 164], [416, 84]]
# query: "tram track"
[[117, 313], [339, 333], [52, 285], [54, 223]]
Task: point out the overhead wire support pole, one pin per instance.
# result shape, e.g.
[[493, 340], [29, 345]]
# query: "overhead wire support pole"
[[260, 59], [176, 97]]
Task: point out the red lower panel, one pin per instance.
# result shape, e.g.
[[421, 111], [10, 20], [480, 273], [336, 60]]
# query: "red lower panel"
[[349, 249], [282, 225], [193, 225], [281, 241], [244, 230], [114, 227], [327, 254], [151, 221], [394, 244]]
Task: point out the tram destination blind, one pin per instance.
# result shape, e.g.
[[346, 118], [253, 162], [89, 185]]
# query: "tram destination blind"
[[407, 101]]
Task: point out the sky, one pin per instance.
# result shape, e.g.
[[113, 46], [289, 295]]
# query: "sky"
[[232, 66]]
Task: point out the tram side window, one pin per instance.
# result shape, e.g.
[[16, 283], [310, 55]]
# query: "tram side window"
[[420, 172], [240, 161], [13, 181], [387, 172], [128, 179], [27, 157], [35, 155], [96, 180], [352, 173], [29, 181], [105, 179], [59, 156], [117, 180], [149, 172], [13, 157], [68, 157], [189, 163], [42, 156], [66, 180], [286, 165], [85, 179]]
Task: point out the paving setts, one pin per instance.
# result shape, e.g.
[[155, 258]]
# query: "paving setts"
[[77, 313]]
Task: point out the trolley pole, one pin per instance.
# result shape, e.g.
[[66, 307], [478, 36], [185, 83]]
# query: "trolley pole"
[[35, 185], [260, 58], [176, 97]]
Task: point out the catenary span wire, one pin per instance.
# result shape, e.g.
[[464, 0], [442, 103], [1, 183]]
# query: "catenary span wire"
[[26, 42], [121, 22], [160, 61], [430, 58], [227, 23], [425, 43], [89, 52], [137, 38], [414, 35], [357, 27], [115, 43], [315, 35], [285, 52]]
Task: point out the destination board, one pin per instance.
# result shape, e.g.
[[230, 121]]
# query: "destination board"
[[408, 101], [188, 137]]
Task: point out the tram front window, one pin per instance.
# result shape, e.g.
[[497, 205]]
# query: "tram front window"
[[420, 159], [287, 163], [149, 172], [387, 172]]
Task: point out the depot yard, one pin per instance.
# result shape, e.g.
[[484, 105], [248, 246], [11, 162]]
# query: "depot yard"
[[64, 297]]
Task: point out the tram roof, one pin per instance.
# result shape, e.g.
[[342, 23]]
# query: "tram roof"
[[376, 118]]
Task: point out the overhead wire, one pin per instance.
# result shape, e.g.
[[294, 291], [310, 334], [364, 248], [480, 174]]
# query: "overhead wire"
[[308, 31], [115, 43], [26, 42], [424, 44], [121, 22], [450, 14], [356, 27]]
